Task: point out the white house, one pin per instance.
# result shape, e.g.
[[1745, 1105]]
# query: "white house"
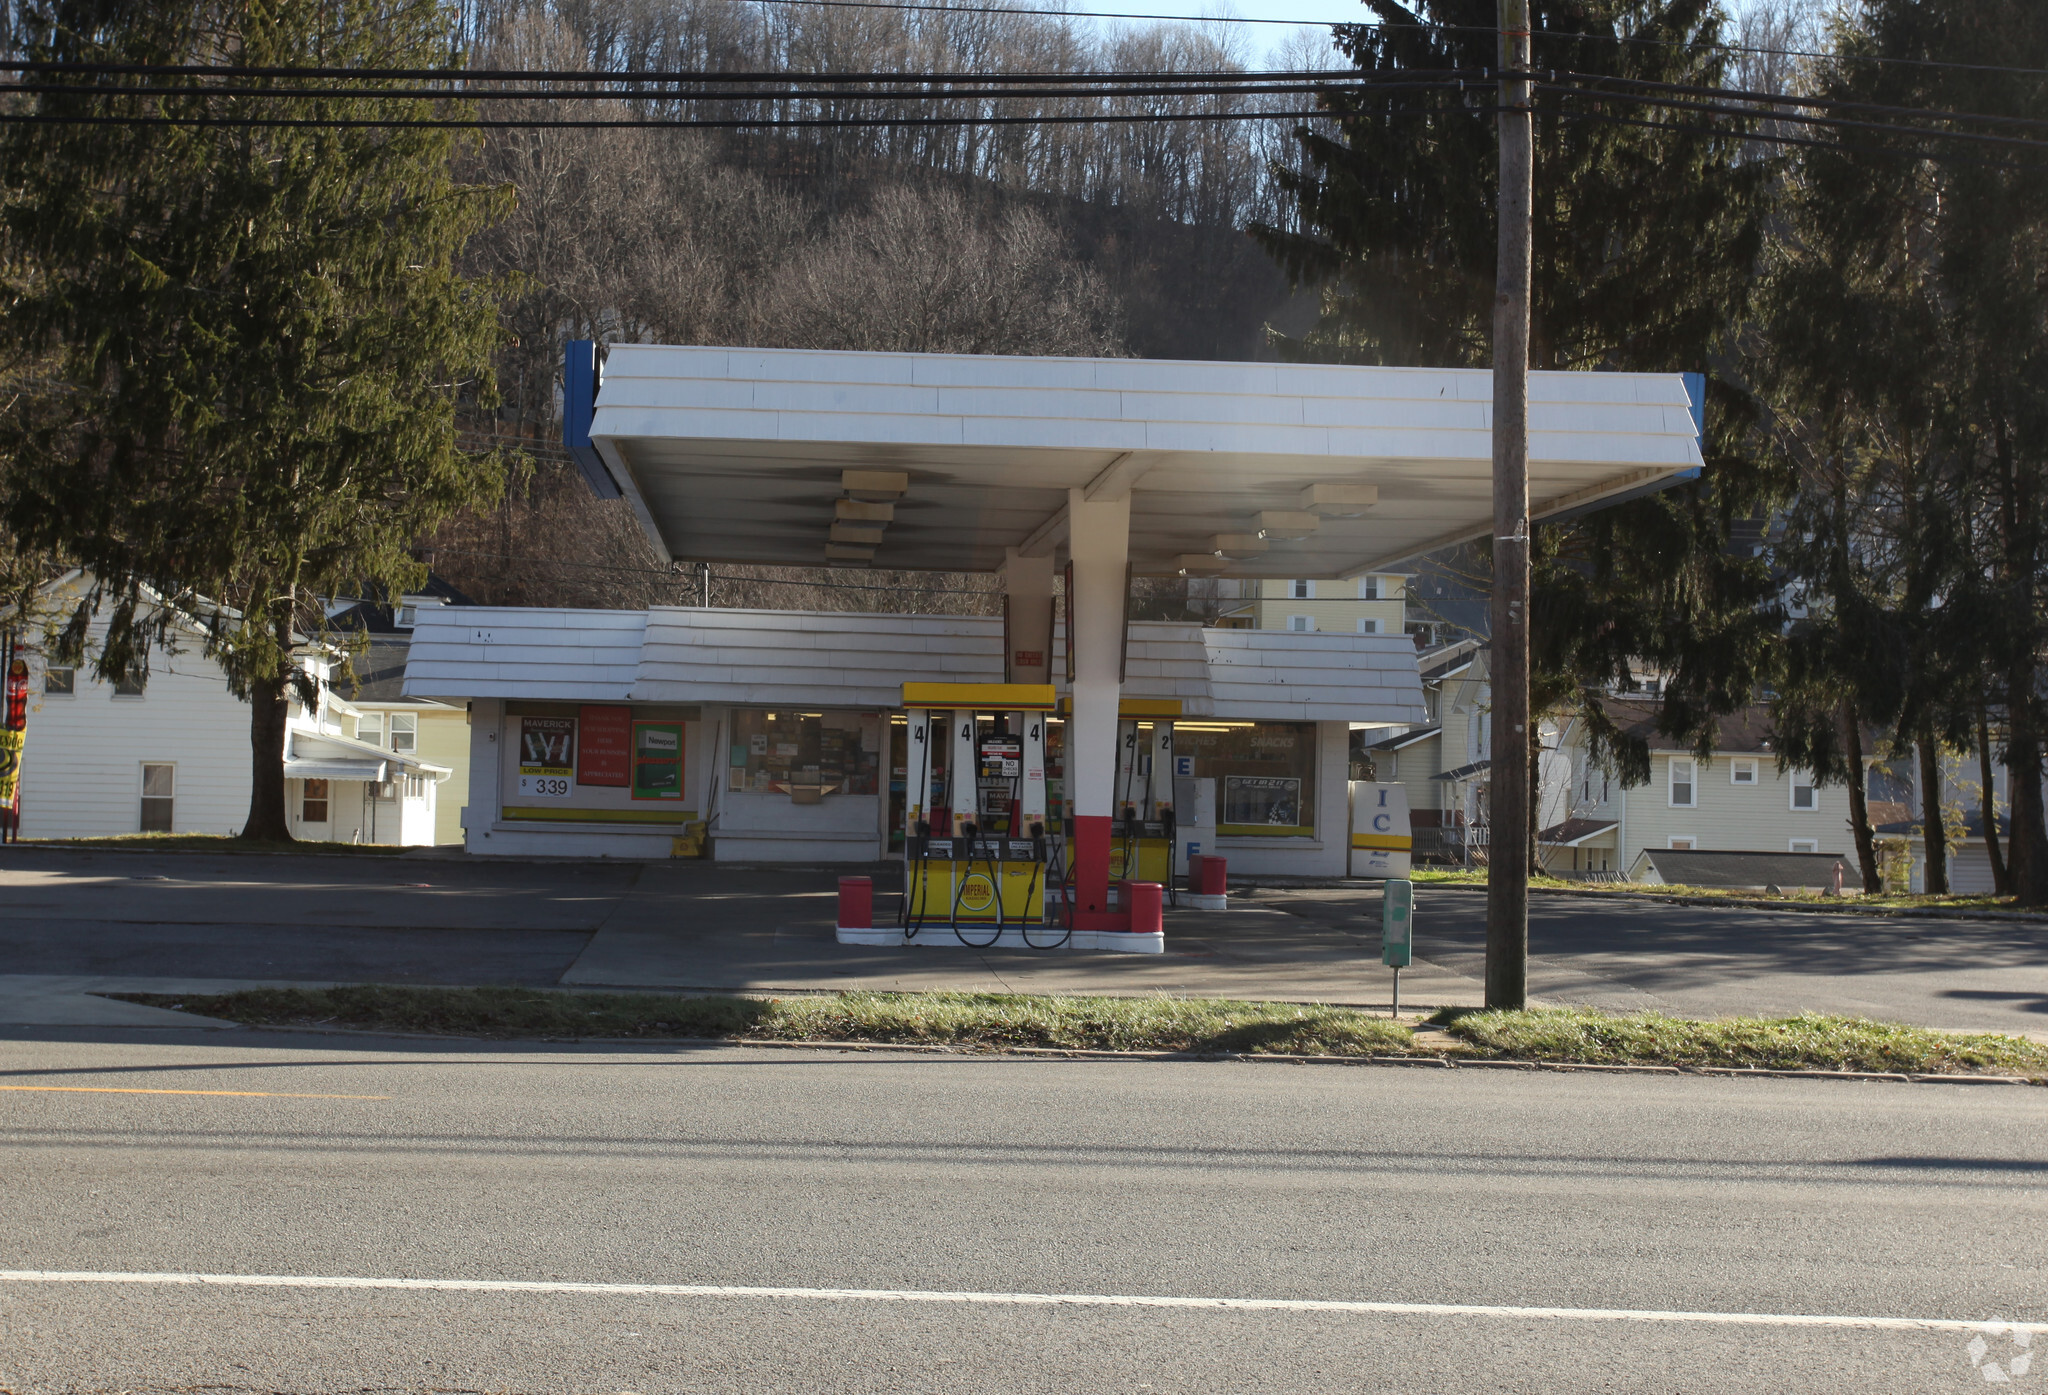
[[170, 754], [1735, 800]]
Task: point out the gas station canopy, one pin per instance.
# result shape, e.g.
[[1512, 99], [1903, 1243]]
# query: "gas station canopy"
[[948, 462]]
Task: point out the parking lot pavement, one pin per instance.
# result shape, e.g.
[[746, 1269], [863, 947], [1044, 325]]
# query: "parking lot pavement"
[[116, 920]]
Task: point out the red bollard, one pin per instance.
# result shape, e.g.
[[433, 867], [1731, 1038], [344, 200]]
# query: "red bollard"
[[1144, 900], [856, 903], [1210, 878]]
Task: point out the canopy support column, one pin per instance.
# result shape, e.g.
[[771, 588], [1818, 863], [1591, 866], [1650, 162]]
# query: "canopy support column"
[[1098, 544]]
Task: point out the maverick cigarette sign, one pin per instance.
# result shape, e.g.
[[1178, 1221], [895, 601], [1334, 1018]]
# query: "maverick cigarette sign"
[[547, 757]]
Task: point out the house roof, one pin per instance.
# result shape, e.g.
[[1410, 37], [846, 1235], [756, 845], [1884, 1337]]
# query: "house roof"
[[1450, 659], [1572, 832], [834, 658], [1694, 867], [1465, 772], [735, 454], [1747, 731], [321, 756]]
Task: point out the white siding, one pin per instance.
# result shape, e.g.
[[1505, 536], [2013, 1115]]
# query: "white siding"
[[813, 658], [514, 652], [82, 761]]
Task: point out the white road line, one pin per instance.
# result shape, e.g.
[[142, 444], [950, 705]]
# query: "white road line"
[[1038, 1300]]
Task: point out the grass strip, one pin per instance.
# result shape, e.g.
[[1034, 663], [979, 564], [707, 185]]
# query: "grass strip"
[[995, 1021], [1852, 901], [984, 1020], [1810, 1041]]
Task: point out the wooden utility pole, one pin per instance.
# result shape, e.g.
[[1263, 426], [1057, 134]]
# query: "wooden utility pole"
[[1507, 874]]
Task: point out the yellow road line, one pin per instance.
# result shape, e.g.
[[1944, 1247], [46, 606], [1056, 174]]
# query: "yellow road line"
[[239, 1094]]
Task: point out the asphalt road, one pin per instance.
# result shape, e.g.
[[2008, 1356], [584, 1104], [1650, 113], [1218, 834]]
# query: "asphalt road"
[[881, 1171]]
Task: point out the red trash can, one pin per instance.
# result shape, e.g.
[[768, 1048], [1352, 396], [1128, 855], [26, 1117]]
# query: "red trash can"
[[1144, 901], [1210, 876], [856, 903]]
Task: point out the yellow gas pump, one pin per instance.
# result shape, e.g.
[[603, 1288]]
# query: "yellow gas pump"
[[1142, 841], [976, 864]]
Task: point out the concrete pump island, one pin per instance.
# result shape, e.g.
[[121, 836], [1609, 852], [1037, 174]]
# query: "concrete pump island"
[[1042, 773]]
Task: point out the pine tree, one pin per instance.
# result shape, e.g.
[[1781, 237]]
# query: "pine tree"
[[257, 337], [1646, 238], [1909, 324]]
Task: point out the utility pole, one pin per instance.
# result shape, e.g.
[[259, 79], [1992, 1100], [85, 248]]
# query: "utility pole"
[[1507, 870]]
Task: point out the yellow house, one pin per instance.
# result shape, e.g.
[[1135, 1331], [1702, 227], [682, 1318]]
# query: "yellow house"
[[1376, 604], [437, 732]]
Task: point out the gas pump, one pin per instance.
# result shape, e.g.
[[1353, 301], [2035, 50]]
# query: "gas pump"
[[977, 862], [1142, 846]]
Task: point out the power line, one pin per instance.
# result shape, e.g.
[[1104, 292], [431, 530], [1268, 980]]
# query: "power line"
[[1536, 36]]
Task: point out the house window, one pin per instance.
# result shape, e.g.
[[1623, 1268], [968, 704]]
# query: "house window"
[[370, 728], [405, 731], [384, 791], [1804, 795], [408, 616], [1808, 845], [1389, 764], [1301, 590], [1369, 589], [159, 784], [313, 805], [1368, 627], [1742, 771], [60, 680], [129, 686], [1301, 624], [1683, 844], [415, 787], [1683, 771]]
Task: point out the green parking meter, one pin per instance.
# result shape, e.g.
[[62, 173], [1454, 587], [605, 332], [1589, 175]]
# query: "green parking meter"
[[1397, 930]]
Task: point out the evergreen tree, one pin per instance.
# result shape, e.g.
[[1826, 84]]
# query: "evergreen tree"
[[1910, 329], [256, 337], [1646, 238]]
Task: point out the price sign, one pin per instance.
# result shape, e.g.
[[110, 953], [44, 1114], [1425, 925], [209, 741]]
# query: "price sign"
[[547, 757]]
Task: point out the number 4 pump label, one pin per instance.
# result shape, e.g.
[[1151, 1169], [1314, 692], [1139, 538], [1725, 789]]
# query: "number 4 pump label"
[[547, 757]]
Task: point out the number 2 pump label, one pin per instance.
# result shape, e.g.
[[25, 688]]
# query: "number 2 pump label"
[[547, 757]]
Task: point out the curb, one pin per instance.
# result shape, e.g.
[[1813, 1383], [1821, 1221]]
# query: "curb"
[[1759, 903], [1434, 1061]]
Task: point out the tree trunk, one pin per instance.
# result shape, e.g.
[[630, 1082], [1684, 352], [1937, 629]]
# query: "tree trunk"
[[267, 708], [2001, 877], [1859, 801], [2029, 868], [1932, 830]]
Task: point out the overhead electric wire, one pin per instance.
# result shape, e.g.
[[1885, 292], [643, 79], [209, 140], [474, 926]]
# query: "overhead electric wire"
[[1770, 99], [1844, 123], [674, 75]]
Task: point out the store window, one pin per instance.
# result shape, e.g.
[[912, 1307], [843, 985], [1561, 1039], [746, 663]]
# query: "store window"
[[313, 803], [1265, 774], [405, 731], [60, 680], [159, 785], [805, 754]]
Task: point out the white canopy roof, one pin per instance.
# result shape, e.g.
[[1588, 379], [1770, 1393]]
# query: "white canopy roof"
[[835, 659], [736, 454]]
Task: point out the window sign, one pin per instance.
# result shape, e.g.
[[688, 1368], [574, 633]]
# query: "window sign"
[[787, 752], [657, 760], [1267, 800], [604, 751], [547, 753]]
